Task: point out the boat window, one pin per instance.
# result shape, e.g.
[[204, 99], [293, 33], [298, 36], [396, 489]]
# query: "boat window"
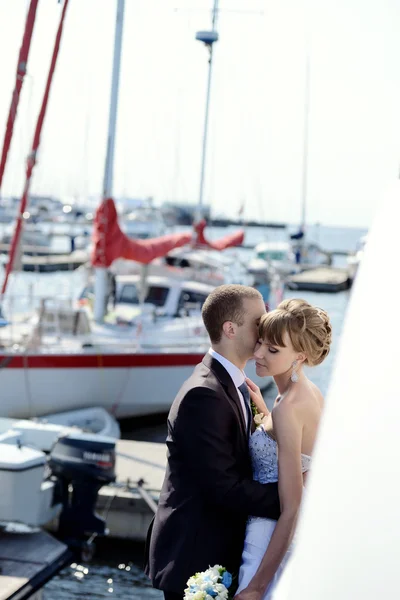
[[129, 294], [189, 297], [157, 295]]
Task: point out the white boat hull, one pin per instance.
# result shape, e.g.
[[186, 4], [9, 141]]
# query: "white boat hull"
[[126, 385]]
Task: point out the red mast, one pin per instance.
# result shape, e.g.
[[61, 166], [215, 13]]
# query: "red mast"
[[31, 161], [19, 80]]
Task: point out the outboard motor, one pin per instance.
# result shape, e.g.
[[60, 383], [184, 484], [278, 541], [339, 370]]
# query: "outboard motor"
[[82, 463]]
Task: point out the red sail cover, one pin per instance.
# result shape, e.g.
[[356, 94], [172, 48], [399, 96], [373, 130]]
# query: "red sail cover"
[[233, 239], [111, 243]]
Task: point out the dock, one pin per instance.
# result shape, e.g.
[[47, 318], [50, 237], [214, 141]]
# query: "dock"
[[52, 261], [27, 562], [140, 471], [31, 250], [320, 279]]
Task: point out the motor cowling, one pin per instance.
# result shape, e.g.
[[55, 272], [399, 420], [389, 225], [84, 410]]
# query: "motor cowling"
[[82, 464]]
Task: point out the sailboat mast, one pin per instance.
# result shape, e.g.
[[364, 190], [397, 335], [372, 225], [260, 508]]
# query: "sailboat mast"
[[305, 150], [112, 120], [208, 37], [100, 287]]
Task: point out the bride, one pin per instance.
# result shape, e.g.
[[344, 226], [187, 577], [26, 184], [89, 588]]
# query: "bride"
[[293, 335]]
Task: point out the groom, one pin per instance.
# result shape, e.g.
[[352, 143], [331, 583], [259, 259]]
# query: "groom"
[[208, 491]]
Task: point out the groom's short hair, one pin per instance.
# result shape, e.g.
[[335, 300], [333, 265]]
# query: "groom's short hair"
[[225, 303]]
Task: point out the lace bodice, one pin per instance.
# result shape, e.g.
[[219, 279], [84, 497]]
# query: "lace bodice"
[[264, 457]]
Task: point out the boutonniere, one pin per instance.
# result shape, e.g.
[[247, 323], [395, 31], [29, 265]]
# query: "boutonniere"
[[257, 416], [254, 408]]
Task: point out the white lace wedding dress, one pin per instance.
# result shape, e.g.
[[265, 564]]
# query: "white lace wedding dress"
[[264, 457]]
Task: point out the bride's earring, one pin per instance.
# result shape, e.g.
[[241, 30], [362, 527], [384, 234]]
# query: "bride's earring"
[[294, 377]]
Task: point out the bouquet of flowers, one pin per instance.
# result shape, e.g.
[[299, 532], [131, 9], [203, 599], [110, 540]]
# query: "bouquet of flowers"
[[212, 584]]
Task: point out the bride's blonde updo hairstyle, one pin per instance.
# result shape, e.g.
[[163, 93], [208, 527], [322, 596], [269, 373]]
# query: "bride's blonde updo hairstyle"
[[307, 326]]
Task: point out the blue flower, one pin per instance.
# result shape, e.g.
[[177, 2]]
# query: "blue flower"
[[227, 579], [211, 592]]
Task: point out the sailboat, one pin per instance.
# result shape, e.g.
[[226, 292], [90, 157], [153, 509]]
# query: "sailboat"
[[77, 363]]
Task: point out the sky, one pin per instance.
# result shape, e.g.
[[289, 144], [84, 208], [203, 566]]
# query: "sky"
[[255, 152]]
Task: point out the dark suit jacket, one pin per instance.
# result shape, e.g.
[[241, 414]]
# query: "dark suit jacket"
[[208, 491]]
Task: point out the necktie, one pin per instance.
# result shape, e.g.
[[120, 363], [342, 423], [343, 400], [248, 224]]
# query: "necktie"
[[246, 395]]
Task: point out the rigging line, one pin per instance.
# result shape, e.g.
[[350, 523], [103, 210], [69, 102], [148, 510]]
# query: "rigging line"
[[31, 161], [19, 79]]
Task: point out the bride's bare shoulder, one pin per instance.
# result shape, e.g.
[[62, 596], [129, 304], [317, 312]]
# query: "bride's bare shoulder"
[[316, 394], [301, 397]]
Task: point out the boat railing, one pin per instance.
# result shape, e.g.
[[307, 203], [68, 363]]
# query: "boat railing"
[[27, 316], [58, 324]]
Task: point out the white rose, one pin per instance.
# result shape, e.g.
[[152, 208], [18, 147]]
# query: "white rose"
[[208, 574], [214, 574], [206, 585], [258, 418]]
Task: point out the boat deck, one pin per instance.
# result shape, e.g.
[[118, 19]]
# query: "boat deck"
[[320, 279]]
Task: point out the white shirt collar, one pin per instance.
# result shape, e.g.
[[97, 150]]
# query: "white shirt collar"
[[236, 374]]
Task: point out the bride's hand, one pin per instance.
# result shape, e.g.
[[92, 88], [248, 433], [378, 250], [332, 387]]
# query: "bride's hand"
[[256, 396]]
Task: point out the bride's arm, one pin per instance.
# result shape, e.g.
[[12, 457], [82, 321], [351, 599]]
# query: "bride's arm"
[[288, 430]]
